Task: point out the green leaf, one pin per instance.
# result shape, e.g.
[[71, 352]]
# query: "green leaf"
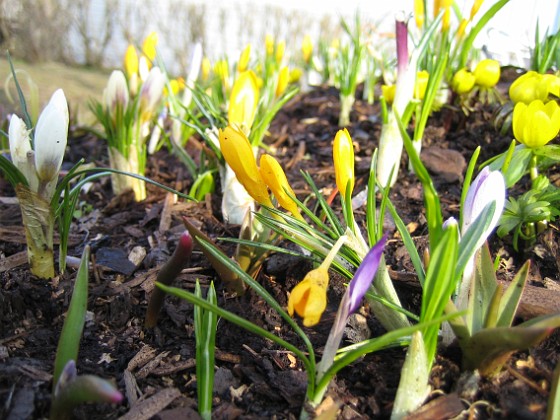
[[512, 296], [69, 341], [483, 287]]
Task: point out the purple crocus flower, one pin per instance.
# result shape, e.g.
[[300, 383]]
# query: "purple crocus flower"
[[351, 301]]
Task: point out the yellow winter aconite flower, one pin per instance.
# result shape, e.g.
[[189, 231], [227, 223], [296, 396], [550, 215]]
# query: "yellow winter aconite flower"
[[243, 100], [532, 85], [419, 13], [274, 176], [238, 153], [307, 49], [536, 124], [463, 81], [309, 297], [283, 80], [131, 61], [487, 73], [243, 62], [388, 92], [343, 156], [421, 84]]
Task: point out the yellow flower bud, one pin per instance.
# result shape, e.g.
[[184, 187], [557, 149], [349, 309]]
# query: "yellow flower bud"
[[131, 61], [206, 66], [280, 50], [307, 49], [221, 68], [437, 7], [536, 124], [388, 92], [446, 19], [295, 75], [149, 48], [343, 156], [238, 153], [244, 59], [274, 176], [421, 84], [419, 13], [309, 297], [475, 7], [461, 30], [463, 81], [269, 45], [283, 79], [243, 100], [487, 73]]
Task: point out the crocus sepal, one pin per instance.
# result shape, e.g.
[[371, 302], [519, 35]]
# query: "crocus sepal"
[[38, 223]]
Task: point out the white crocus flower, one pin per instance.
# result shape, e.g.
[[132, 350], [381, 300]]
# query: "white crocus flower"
[[51, 136], [116, 92], [151, 93], [20, 148]]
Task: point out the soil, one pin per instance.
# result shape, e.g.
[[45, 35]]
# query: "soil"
[[255, 379]]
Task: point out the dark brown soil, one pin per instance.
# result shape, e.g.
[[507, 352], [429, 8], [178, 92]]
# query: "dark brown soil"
[[254, 378]]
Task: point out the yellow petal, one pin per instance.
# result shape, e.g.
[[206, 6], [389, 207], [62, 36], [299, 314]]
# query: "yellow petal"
[[238, 153], [243, 100], [149, 47], [283, 79], [131, 61], [343, 156], [274, 176], [309, 297], [307, 48], [244, 59]]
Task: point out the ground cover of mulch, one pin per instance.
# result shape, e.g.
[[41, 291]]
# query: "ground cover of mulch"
[[254, 378]]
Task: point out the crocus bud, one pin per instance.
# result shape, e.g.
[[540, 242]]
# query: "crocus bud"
[[343, 157], [475, 7], [269, 45], [20, 144], [307, 49], [131, 61], [388, 92], [244, 59], [243, 100], [463, 81], [280, 50], [238, 153], [283, 79], [274, 176], [151, 93], [51, 135], [487, 73], [419, 13], [149, 48], [116, 92], [309, 298], [205, 69], [536, 124], [422, 78]]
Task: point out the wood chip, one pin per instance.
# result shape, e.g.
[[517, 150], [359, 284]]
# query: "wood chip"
[[169, 368], [145, 354], [13, 261], [151, 365], [445, 407], [131, 387], [148, 408]]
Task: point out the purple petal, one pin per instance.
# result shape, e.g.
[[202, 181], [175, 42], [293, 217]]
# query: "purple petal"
[[364, 275]]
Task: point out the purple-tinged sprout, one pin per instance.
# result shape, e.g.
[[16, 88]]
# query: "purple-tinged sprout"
[[167, 274], [351, 301], [401, 31]]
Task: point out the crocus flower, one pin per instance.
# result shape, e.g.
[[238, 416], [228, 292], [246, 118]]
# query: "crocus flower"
[[536, 124], [116, 93], [238, 153], [149, 48], [446, 19], [280, 50], [274, 176], [461, 29], [151, 93], [309, 297], [244, 59], [351, 301], [205, 69], [131, 62], [51, 135], [283, 80], [243, 100], [422, 78], [388, 92], [419, 13], [343, 157], [307, 49], [463, 81], [475, 7], [20, 147], [269, 44], [487, 73]]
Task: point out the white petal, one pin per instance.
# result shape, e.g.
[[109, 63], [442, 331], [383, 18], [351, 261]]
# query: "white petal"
[[51, 136], [20, 143]]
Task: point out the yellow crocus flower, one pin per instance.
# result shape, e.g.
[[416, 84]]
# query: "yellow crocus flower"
[[243, 100], [130, 61], [149, 47], [221, 68], [475, 7], [446, 19], [280, 50], [243, 62], [487, 73], [295, 75], [536, 124], [419, 13], [307, 49], [205, 69], [238, 153], [309, 298], [463, 81], [343, 156], [283, 80], [269, 45], [437, 7], [462, 26], [274, 176]]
